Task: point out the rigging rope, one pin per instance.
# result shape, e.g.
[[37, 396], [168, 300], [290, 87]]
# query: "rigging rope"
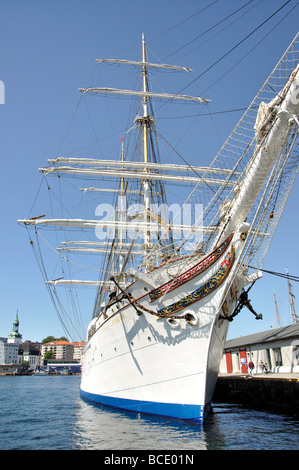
[[285, 276], [39, 259], [230, 50], [208, 30], [184, 21]]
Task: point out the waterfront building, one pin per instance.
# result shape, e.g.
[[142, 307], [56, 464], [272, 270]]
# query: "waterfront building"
[[61, 349], [9, 350], [277, 349], [9, 369], [78, 348], [67, 356], [61, 366], [30, 352]]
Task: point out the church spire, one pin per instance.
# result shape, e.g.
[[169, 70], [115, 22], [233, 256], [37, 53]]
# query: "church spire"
[[15, 335]]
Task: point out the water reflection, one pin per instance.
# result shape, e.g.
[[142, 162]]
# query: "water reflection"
[[109, 429], [58, 418], [229, 426]]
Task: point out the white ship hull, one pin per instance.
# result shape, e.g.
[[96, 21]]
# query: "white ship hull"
[[164, 366]]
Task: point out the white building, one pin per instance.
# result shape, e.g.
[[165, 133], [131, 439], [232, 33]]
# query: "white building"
[[9, 347], [278, 349], [78, 348], [8, 352], [30, 352]]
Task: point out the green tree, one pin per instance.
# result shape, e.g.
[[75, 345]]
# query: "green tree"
[[48, 339], [25, 365], [48, 355]]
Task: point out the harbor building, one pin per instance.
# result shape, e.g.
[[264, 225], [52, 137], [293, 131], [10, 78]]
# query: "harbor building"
[[66, 357], [78, 349], [31, 353], [275, 351], [61, 349], [14, 353], [9, 349], [9, 352]]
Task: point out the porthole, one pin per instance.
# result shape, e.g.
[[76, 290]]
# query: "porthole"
[[149, 339], [145, 289], [173, 322], [191, 319], [132, 343]]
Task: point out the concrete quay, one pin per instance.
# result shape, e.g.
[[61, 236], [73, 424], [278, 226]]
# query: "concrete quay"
[[272, 392]]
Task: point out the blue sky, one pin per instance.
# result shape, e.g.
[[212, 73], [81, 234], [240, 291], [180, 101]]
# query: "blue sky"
[[48, 50]]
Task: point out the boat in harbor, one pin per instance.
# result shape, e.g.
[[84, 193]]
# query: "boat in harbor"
[[173, 276], [40, 373]]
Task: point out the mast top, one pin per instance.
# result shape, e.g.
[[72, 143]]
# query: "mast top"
[[143, 94], [144, 63]]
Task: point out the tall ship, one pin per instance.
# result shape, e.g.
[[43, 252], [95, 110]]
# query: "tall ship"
[[171, 277]]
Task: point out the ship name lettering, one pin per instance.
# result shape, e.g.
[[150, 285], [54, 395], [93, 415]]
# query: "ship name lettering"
[[112, 322]]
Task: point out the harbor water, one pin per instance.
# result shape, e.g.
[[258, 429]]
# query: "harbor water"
[[47, 413]]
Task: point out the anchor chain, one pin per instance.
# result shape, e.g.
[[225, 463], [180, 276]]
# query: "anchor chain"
[[137, 305]]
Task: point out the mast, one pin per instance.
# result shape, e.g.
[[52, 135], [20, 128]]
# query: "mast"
[[122, 210], [146, 171], [295, 318], [145, 121], [276, 310]]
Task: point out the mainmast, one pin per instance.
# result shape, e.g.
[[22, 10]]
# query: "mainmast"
[[145, 122], [146, 171]]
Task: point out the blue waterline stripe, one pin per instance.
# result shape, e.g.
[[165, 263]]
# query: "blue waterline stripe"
[[172, 410]]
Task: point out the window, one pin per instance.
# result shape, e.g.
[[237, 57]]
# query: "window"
[[269, 358], [295, 353], [277, 356]]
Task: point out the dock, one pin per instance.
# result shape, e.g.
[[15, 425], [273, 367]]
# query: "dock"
[[272, 392]]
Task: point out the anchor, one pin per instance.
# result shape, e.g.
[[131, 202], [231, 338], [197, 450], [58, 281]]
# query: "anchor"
[[243, 302]]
